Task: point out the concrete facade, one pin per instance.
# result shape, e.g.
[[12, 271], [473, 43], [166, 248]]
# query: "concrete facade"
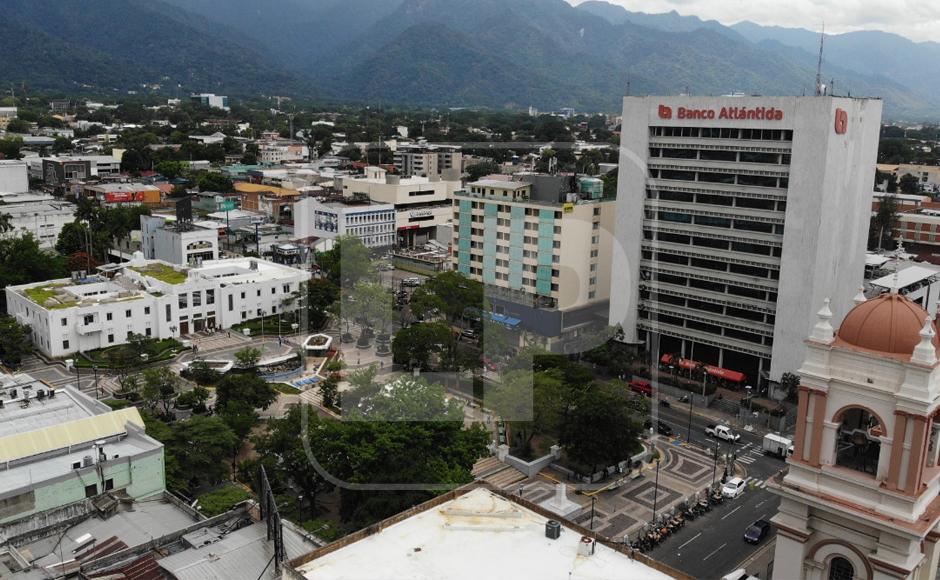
[[736, 215], [162, 239], [544, 263], [14, 177], [373, 223], [860, 494], [63, 448], [44, 220], [150, 298]]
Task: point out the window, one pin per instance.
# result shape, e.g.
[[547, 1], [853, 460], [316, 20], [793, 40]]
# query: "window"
[[127, 314], [231, 302], [148, 332], [243, 295], [108, 484], [146, 310], [210, 296], [841, 569], [259, 292], [91, 490], [286, 288], [110, 338], [65, 322], [65, 345], [273, 290], [197, 299], [184, 300], [107, 316]]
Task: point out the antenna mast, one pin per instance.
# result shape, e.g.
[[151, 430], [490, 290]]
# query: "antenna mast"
[[819, 85]]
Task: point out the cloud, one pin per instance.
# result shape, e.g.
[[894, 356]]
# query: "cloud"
[[918, 20]]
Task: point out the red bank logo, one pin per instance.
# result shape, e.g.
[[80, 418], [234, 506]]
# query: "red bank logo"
[[665, 112], [842, 121]]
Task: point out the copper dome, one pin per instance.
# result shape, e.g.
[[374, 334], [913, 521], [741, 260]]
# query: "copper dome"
[[889, 324]]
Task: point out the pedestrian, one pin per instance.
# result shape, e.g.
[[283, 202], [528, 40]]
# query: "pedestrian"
[[229, 333], [358, 359], [381, 364]]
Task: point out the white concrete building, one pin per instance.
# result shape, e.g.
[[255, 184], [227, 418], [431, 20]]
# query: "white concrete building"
[[423, 159], [859, 499], [735, 216], [210, 100], [277, 152], [422, 204], [373, 223], [14, 176], [163, 239], [59, 446], [44, 220], [474, 534], [151, 298], [6, 115]]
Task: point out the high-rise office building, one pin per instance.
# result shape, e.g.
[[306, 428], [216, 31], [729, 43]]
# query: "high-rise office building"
[[736, 218]]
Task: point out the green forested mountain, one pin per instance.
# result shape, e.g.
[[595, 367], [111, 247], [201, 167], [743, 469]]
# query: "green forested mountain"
[[497, 53]]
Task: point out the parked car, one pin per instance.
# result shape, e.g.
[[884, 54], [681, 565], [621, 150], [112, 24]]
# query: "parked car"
[[661, 428], [733, 487], [756, 531], [468, 333], [412, 282], [722, 432]]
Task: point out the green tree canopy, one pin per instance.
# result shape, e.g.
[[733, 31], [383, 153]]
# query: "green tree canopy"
[[248, 357], [413, 346], [600, 429], [246, 388], [14, 341]]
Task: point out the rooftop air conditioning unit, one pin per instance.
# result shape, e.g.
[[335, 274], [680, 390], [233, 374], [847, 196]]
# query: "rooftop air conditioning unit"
[[552, 529]]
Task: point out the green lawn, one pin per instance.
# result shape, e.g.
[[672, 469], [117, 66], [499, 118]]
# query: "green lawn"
[[40, 294], [285, 389], [158, 350], [162, 272]]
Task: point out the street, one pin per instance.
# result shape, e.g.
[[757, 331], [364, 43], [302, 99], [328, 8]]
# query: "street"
[[712, 545]]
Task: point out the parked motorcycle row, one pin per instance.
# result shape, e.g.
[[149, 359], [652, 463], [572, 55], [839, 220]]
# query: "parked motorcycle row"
[[673, 521]]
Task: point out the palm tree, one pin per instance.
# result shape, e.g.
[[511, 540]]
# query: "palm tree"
[[5, 223]]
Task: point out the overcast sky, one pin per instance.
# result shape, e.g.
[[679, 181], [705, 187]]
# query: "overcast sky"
[[918, 20]]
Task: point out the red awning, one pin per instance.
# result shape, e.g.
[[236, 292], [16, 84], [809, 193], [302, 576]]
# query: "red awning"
[[717, 372]]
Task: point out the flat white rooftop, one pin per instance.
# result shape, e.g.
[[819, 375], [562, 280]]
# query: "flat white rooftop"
[[477, 535], [906, 276], [40, 413]]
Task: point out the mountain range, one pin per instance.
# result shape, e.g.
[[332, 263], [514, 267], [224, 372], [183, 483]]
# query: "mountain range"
[[495, 53]]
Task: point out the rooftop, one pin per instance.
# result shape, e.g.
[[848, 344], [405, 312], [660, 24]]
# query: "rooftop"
[[500, 184], [479, 534]]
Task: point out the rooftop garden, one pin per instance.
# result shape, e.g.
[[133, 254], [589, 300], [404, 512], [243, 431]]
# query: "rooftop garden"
[[41, 294], [162, 272]]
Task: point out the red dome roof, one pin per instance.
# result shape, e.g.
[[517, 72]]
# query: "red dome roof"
[[889, 324]]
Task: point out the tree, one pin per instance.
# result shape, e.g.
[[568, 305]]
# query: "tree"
[[532, 403], [480, 170], [160, 388], [247, 357], [909, 184], [10, 147], [245, 388], [6, 224], [407, 399], [18, 126], [14, 341], [790, 382], [347, 262], [329, 391], [22, 262], [252, 154], [883, 224], [351, 153], [321, 295], [600, 430], [209, 181], [170, 169], [195, 399], [413, 346], [199, 446], [457, 293]]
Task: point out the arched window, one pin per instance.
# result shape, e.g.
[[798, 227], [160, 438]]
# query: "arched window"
[[841, 569], [858, 445]]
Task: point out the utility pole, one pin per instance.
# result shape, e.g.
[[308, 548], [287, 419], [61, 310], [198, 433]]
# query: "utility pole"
[[656, 491]]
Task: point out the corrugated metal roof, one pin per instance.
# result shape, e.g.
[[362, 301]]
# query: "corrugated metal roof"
[[60, 436]]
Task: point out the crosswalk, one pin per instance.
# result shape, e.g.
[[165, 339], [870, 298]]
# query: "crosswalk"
[[748, 456], [755, 482]]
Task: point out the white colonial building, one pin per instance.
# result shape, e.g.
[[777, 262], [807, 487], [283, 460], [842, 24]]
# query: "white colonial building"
[[150, 298], [861, 499], [164, 239]]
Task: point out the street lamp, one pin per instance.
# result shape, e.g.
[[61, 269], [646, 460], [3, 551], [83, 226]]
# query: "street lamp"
[[715, 466], [95, 368], [656, 491]]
